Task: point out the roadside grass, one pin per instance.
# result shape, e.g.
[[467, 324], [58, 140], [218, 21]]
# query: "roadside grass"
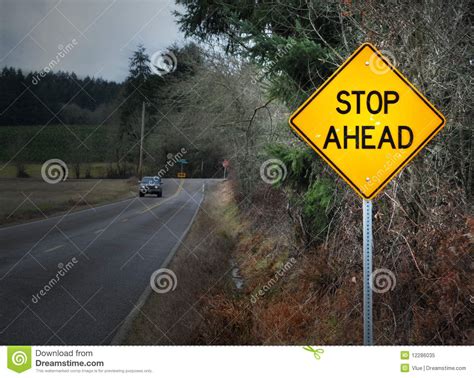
[[316, 300], [207, 308], [201, 264], [24, 199]]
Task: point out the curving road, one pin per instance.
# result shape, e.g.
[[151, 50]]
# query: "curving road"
[[100, 261]]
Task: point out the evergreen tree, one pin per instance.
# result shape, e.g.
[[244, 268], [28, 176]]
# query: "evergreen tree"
[[32, 99]]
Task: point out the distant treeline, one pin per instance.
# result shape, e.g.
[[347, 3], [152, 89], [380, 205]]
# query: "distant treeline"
[[37, 98]]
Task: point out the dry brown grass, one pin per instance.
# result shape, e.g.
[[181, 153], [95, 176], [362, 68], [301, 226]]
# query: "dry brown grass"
[[47, 199], [319, 299]]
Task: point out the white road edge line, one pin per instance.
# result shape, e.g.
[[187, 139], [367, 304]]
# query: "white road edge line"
[[128, 321], [54, 248]]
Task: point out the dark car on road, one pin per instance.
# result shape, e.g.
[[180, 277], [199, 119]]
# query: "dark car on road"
[[150, 185]]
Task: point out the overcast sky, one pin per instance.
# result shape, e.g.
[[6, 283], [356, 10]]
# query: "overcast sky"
[[33, 32]]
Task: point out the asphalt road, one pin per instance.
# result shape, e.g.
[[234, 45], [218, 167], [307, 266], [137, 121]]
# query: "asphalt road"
[[115, 248]]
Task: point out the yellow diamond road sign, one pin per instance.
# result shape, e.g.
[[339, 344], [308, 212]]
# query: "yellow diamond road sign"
[[367, 121]]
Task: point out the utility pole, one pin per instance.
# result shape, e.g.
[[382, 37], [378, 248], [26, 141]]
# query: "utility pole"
[[140, 162]]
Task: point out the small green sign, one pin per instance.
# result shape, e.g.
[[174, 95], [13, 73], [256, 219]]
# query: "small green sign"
[[19, 358], [404, 368]]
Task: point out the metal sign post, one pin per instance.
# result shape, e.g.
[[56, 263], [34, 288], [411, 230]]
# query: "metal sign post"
[[367, 121], [367, 266]]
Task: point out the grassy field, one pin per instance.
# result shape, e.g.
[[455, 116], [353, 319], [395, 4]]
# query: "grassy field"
[[97, 170], [70, 143], [24, 199], [40, 143]]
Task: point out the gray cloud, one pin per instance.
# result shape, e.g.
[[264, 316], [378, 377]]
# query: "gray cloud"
[[33, 32]]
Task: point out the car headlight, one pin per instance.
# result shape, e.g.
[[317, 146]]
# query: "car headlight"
[[156, 187]]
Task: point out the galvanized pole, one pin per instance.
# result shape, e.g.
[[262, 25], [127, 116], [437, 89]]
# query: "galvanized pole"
[[367, 266]]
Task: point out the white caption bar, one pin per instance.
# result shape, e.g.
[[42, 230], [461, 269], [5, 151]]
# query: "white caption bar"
[[238, 362]]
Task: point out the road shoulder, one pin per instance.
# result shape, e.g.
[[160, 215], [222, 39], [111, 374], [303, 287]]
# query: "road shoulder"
[[201, 262]]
